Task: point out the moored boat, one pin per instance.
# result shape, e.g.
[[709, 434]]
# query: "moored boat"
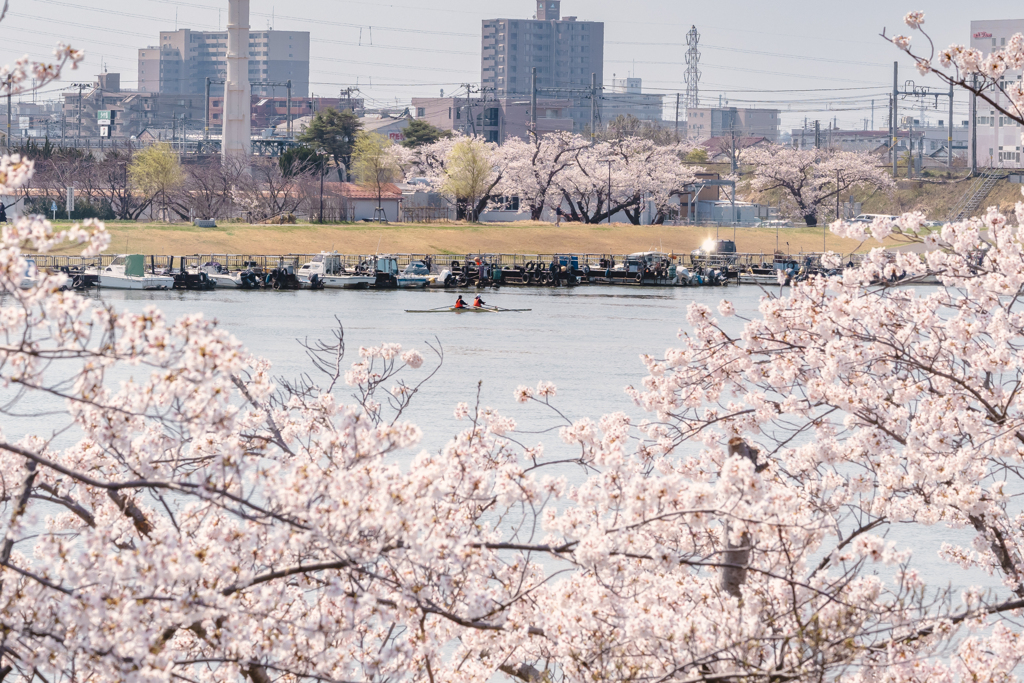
[[128, 271], [415, 276], [329, 272]]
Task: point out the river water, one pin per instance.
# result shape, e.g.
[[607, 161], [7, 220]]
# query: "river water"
[[586, 340]]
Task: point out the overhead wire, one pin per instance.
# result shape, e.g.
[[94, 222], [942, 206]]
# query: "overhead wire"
[[382, 82]]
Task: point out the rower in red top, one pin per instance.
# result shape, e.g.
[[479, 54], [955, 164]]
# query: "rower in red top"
[[478, 302], [459, 303]]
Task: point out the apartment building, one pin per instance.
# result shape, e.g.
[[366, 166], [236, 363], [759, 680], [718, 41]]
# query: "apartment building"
[[184, 59], [999, 141], [705, 123], [567, 54]]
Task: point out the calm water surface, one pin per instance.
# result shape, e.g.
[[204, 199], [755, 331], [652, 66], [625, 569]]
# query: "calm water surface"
[[586, 340]]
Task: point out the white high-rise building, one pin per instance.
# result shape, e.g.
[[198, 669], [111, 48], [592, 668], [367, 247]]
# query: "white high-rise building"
[[999, 137]]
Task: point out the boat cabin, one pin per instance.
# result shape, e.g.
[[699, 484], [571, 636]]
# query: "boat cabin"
[[323, 264]]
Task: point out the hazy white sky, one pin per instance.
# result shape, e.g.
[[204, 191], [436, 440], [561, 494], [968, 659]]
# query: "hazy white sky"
[[817, 60]]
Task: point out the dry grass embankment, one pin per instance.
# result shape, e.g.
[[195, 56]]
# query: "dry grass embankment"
[[454, 238], [937, 198]]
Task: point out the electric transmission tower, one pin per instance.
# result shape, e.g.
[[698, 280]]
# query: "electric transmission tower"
[[692, 69]]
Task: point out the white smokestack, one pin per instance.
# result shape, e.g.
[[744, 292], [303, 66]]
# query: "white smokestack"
[[237, 104]]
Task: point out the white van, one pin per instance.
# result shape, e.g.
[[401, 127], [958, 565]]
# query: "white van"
[[870, 217]]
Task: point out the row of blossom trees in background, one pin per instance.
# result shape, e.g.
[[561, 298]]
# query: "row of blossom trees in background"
[[595, 181], [587, 181], [547, 172]]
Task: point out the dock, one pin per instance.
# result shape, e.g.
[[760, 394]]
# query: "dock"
[[641, 269]]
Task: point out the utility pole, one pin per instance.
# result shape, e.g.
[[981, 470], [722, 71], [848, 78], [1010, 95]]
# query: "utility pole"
[[817, 135], [80, 113], [837, 197], [289, 109], [593, 108], [974, 128], [895, 115], [920, 152], [949, 136], [533, 101], [910, 147], [890, 121], [206, 121], [609, 162], [677, 116]]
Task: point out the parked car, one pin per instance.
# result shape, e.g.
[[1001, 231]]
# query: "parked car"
[[870, 217]]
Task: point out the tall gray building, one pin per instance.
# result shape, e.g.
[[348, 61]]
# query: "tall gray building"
[[184, 59], [564, 51]]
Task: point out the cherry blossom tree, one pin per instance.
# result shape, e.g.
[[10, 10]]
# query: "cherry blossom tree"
[[809, 179], [534, 167], [632, 169], [968, 68], [439, 161], [191, 518]]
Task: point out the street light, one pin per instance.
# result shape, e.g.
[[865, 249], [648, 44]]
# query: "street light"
[[609, 162], [321, 152]]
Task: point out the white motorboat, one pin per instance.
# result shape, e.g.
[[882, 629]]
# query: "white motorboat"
[[221, 276], [128, 271], [415, 276], [328, 270]]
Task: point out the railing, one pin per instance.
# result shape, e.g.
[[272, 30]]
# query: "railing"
[[596, 262]]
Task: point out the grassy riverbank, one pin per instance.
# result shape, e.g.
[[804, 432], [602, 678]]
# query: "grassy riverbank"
[[524, 238]]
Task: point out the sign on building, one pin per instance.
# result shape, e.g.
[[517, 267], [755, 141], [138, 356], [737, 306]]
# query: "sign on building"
[[23, 122], [105, 115]]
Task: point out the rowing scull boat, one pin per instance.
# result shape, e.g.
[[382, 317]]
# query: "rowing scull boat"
[[473, 309]]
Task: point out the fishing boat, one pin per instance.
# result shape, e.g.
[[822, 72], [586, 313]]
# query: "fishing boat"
[[128, 271], [329, 271], [473, 309]]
